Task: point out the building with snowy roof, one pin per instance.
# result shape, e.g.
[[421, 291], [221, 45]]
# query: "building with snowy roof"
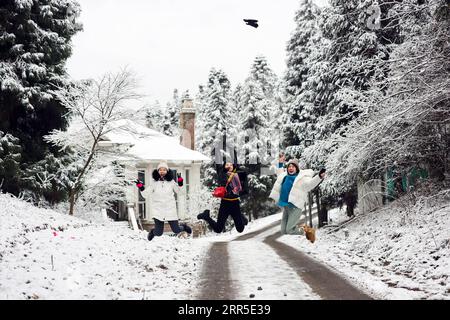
[[145, 149]]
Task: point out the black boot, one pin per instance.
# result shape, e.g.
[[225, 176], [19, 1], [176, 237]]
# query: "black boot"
[[150, 235], [204, 215], [187, 228]]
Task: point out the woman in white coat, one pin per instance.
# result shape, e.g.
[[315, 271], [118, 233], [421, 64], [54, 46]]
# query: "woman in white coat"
[[290, 191], [162, 194]]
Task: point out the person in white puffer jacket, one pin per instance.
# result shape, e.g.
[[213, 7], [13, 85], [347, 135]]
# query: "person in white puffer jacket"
[[290, 191], [162, 198]]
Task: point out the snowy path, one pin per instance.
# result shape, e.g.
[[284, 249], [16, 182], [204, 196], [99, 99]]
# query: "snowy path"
[[256, 265]]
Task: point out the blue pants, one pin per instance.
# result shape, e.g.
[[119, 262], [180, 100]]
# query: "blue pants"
[[289, 220]]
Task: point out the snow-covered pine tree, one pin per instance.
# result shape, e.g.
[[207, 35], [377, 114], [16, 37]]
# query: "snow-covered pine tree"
[[154, 116], [215, 120], [200, 100], [254, 123], [235, 116], [303, 43], [406, 127], [257, 101], [351, 59], [171, 116], [35, 42], [10, 158]]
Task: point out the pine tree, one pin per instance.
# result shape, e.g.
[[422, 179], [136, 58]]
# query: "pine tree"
[[303, 44], [236, 109], [200, 100], [257, 103], [403, 126], [10, 158], [171, 116], [350, 61], [214, 115], [154, 116], [353, 56], [35, 42]]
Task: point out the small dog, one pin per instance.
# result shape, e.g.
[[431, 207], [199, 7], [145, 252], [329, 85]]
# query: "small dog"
[[309, 232]]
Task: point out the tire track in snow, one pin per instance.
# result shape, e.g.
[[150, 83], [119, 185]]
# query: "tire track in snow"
[[216, 283], [326, 283]]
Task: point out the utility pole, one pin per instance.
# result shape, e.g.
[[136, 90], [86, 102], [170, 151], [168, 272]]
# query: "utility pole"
[[310, 209]]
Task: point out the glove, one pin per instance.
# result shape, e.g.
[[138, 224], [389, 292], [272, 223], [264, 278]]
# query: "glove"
[[180, 180], [140, 185], [321, 172]]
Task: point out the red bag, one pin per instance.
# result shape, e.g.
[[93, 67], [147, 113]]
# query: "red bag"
[[220, 192]]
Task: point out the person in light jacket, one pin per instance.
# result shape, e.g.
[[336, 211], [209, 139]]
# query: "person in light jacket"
[[162, 195], [290, 191]]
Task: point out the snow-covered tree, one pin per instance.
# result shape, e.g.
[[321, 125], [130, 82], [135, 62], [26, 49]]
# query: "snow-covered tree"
[[214, 118], [171, 116], [94, 109], [404, 120], [154, 116], [254, 123], [35, 42], [257, 101], [10, 158], [304, 42], [200, 100], [351, 58], [235, 107]]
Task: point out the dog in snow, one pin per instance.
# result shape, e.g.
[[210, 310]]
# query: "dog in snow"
[[309, 232]]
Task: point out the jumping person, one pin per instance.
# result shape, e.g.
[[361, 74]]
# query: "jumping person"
[[290, 191], [230, 204], [162, 194]]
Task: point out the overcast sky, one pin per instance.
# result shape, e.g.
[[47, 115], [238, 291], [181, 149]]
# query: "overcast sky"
[[174, 43]]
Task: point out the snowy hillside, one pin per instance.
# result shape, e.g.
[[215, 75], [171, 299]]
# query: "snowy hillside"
[[47, 255], [398, 252]]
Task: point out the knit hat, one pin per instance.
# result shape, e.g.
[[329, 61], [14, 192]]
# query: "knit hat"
[[162, 164], [295, 163]]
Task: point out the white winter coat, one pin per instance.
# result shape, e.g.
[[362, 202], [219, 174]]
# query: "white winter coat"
[[303, 183], [161, 196]]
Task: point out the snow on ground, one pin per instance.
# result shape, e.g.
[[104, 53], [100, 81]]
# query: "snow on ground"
[[258, 270], [47, 255], [397, 252]]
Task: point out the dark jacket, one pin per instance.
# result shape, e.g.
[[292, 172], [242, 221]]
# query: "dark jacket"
[[223, 178]]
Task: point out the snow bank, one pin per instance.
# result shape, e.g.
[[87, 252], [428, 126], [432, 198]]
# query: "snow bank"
[[401, 251], [47, 255]]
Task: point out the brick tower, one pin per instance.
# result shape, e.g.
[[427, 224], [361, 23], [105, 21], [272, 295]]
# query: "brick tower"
[[187, 122]]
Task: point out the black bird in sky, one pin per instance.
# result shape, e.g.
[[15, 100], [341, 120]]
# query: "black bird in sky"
[[251, 22]]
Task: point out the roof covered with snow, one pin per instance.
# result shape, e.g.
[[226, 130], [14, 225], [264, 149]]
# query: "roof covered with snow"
[[149, 145]]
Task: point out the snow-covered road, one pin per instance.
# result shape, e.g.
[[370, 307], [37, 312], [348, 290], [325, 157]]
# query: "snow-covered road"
[[255, 265]]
